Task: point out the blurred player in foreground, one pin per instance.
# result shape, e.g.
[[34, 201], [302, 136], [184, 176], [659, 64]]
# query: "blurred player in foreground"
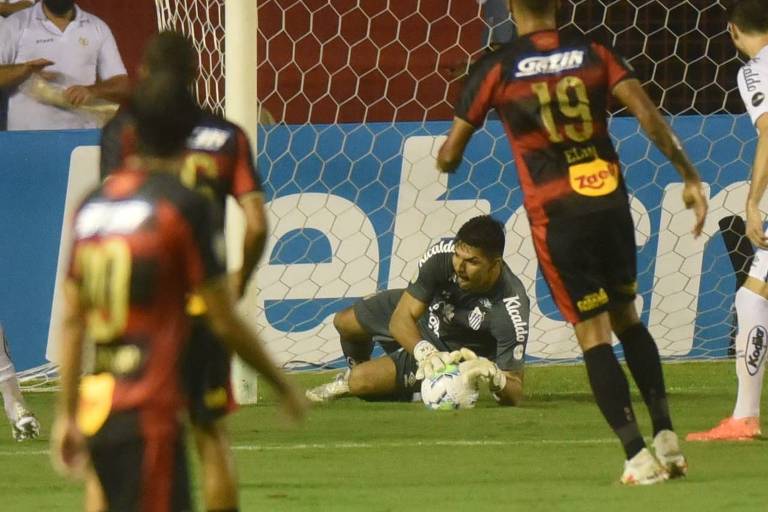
[[24, 424], [748, 25], [463, 297], [143, 242], [217, 162], [550, 89]]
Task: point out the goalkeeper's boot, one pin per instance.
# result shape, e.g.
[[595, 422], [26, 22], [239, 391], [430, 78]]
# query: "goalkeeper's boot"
[[667, 448], [730, 429], [643, 469], [337, 388], [26, 426]]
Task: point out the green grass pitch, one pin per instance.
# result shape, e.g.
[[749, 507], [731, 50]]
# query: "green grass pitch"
[[554, 453]]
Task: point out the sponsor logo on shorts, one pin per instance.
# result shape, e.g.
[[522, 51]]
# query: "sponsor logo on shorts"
[[409, 379], [512, 305], [592, 301], [755, 351], [757, 99], [518, 352], [215, 398], [555, 63], [476, 318]]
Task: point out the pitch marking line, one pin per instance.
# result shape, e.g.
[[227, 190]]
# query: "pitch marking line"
[[354, 446]]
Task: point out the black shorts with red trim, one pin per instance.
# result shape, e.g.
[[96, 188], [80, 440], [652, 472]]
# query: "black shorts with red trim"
[[140, 459], [206, 366], [589, 261]]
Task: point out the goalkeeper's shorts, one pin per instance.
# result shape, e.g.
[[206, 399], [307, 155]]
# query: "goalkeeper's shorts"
[[140, 459], [589, 261], [206, 365]]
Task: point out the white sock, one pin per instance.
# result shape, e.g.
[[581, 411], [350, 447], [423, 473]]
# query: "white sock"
[[751, 348], [9, 383]]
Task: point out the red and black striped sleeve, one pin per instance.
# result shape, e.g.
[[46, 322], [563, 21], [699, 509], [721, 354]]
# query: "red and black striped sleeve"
[[477, 96], [617, 68]]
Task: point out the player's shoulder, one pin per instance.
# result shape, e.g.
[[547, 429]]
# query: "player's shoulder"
[[213, 132], [17, 21], [511, 285], [441, 251], [90, 21]]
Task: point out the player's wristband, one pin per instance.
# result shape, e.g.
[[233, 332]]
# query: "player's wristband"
[[423, 350]]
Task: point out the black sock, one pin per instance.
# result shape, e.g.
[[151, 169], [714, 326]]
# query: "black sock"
[[611, 391], [643, 359], [356, 352]]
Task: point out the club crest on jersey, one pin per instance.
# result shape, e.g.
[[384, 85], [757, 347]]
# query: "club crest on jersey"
[[755, 351], [476, 318], [554, 63]]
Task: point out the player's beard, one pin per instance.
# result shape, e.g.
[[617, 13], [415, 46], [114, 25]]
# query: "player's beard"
[[59, 7]]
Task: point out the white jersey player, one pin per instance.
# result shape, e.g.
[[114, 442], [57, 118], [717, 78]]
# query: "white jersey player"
[[748, 25], [24, 425]]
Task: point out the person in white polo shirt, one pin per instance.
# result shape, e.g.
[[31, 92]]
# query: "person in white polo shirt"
[[74, 51]]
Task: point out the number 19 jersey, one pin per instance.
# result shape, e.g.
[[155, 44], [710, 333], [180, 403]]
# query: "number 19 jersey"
[[551, 90]]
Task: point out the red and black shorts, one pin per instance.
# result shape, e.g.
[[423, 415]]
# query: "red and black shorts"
[[206, 366], [589, 262], [140, 459]]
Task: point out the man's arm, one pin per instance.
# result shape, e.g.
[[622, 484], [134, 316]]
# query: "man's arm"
[[757, 186], [13, 74], [403, 326], [452, 151], [226, 324], [67, 444], [116, 89], [8, 9], [256, 228], [633, 96]]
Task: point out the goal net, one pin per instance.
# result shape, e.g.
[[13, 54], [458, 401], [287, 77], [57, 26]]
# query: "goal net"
[[362, 92]]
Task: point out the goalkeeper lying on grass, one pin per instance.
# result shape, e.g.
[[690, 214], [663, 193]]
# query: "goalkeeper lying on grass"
[[464, 296]]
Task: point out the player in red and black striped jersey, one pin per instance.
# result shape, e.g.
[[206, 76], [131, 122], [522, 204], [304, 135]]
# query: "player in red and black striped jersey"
[[217, 162], [551, 90], [143, 243]]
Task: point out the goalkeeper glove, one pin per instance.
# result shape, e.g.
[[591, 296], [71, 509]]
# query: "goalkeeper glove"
[[430, 360], [482, 369]]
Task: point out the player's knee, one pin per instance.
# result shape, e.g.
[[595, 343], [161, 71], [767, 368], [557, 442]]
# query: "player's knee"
[[346, 323], [623, 317]]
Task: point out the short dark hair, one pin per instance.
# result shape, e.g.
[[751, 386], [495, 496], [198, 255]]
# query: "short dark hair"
[[165, 114], [751, 16], [171, 52], [483, 232], [538, 7]]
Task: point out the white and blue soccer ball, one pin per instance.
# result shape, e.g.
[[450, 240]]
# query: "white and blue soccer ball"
[[446, 390]]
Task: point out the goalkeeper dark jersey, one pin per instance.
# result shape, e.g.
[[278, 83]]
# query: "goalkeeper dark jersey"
[[218, 159], [551, 90], [493, 324], [143, 241]]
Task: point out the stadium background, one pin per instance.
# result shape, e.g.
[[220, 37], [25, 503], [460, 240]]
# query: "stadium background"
[[337, 79]]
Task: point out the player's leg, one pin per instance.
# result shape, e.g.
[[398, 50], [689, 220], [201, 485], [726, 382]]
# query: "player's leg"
[[24, 425], [206, 371], [356, 342], [751, 347], [644, 362], [569, 257], [218, 466]]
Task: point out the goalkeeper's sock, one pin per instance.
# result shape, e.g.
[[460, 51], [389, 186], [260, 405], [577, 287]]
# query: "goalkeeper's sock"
[[356, 352], [643, 359], [751, 347], [611, 391]]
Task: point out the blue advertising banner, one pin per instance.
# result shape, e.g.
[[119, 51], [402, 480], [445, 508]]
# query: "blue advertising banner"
[[352, 207]]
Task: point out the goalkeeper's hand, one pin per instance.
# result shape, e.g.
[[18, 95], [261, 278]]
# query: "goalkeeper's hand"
[[430, 359], [482, 369]]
